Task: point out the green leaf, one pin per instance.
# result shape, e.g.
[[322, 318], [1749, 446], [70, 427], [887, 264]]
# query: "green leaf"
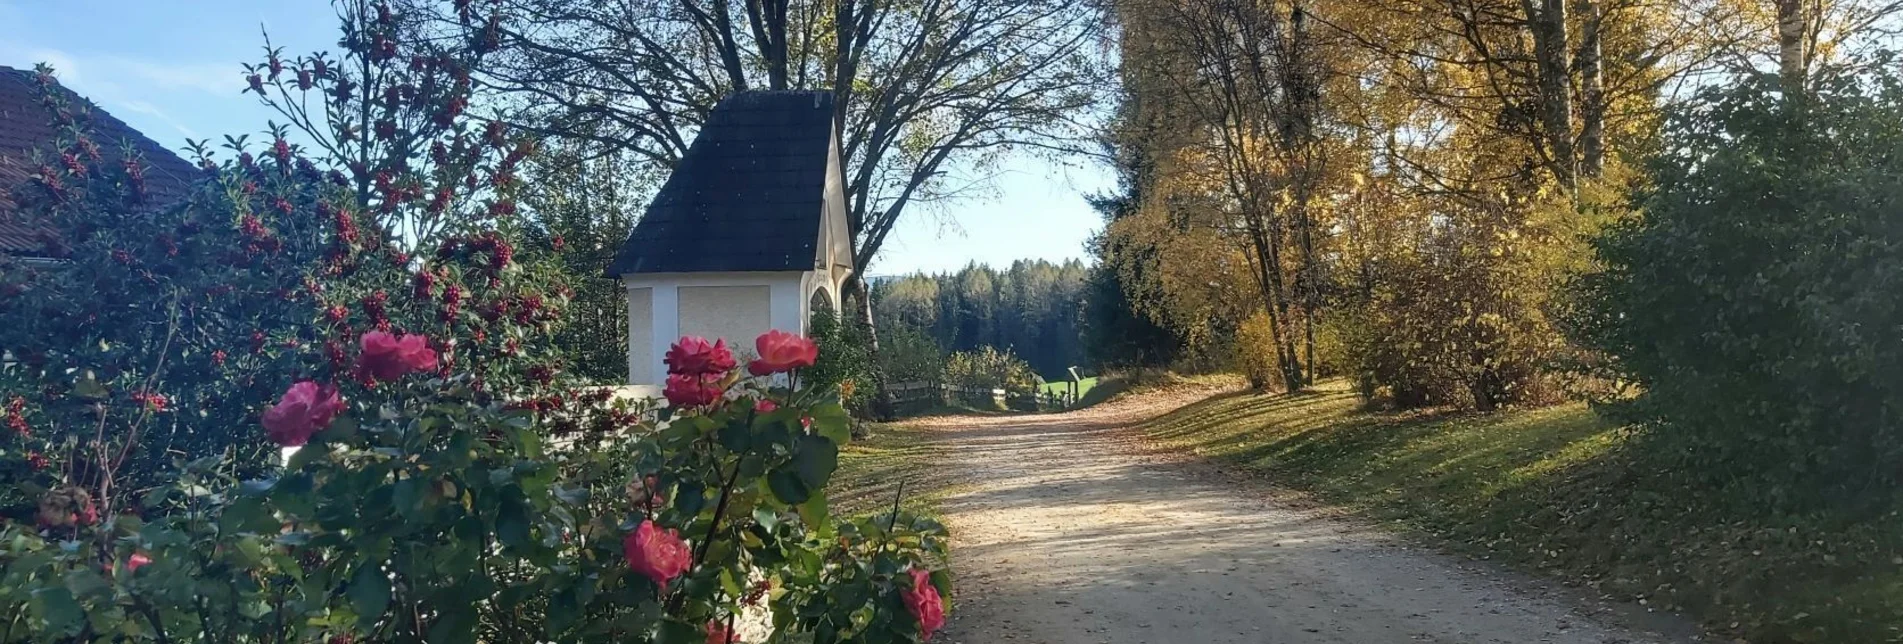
[[563, 611], [257, 487], [249, 515], [831, 421], [86, 581], [673, 632], [454, 626], [88, 387], [767, 518], [369, 593], [55, 605], [815, 511], [787, 487], [512, 523], [302, 458], [818, 456], [408, 497], [690, 497], [736, 436], [572, 495]]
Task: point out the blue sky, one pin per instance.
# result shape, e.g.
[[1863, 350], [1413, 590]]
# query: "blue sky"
[[171, 69]]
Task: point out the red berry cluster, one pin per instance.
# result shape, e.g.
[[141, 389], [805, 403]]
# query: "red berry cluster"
[[16, 417]]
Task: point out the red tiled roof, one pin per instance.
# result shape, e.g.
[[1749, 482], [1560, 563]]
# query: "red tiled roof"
[[26, 127]]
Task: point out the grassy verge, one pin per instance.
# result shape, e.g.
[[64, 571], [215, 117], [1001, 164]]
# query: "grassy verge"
[[1561, 492], [871, 469], [1061, 386]]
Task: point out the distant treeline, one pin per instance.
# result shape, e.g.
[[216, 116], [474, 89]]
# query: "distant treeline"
[[1031, 309]]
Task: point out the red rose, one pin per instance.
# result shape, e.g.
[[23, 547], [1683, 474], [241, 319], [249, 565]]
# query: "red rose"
[[781, 352], [923, 601], [694, 356], [387, 357], [690, 391], [305, 409], [718, 633], [658, 554], [136, 562], [765, 406]]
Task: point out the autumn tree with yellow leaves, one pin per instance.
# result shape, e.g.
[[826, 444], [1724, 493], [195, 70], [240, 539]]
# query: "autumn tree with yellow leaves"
[[1398, 192]]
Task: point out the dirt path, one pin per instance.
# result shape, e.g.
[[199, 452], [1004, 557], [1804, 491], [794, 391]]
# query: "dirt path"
[[1067, 535]]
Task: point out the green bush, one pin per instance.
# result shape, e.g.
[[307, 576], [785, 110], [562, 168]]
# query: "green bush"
[[908, 354], [989, 368], [845, 362], [453, 481], [1255, 353], [1752, 297]]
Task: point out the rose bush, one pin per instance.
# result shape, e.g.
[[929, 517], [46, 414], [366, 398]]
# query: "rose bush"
[[452, 482]]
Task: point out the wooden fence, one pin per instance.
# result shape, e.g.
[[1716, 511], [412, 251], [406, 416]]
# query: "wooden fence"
[[917, 396]]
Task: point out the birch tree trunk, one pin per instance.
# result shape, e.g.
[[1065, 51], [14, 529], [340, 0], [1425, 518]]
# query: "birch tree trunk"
[[1547, 22], [1592, 116], [1792, 62]]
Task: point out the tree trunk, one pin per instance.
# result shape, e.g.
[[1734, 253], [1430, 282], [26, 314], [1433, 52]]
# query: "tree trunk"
[[1792, 62], [1284, 337], [859, 297], [718, 25], [1592, 130], [768, 19], [1548, 25], [1305, 86]]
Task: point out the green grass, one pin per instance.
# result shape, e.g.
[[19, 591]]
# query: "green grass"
[[870, 470], [1061, 386], [1562, 492]]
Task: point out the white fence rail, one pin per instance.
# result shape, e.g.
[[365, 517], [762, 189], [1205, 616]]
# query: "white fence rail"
[[920, 395]]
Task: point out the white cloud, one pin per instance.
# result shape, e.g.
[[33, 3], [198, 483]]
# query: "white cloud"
[[67, 67], [142, 107], [217, 79], [120, 84]]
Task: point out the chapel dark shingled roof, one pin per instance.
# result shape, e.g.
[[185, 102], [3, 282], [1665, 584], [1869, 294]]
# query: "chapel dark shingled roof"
[[26, 127], [748, 196]]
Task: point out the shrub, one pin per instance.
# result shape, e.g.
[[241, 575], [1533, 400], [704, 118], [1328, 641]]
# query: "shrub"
[[908, 354], [845, 363], [1462, 322], [1255, 352], [989, 368], [1751, 296], [453, 481]]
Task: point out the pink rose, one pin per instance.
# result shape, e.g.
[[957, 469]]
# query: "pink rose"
[[718, 633], [765, 406], [658, 554], [137, 561], [88, 513], [694, 356], [686, 391], [305, 409], [923, 601], [781, 352], [387, 357]]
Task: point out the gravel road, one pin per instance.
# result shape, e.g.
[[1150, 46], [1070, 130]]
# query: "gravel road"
[[1067, 533]]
